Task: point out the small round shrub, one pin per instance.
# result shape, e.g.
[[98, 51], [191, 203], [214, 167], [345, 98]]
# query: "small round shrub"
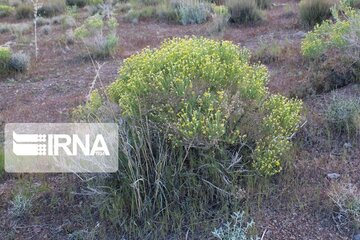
[[243, 11], [19, 62], [24, 11], [264, 4], [192, 12], [353, 3], [208, 94], [78, 3], [343, 114], [52, 8], [313, 12], [5, 56], [93, 37], [6, 10]]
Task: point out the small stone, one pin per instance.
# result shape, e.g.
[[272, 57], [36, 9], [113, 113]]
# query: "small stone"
[[347, 145], [333, 176], [356, 237], [300, 34]]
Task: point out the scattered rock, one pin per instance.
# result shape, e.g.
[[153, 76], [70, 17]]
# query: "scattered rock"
[[347, 145], [356, 237], [333, 176], [300, 34]]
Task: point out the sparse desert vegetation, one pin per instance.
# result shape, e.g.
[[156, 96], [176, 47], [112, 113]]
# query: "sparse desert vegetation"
[[237, 119]]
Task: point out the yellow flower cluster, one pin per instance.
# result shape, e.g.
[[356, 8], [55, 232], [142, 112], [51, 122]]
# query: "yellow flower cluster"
[[281, 121]]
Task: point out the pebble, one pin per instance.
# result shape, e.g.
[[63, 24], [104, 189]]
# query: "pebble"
[[333, 176]]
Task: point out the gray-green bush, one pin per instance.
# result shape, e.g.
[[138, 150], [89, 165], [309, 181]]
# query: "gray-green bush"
[[243, 11], [98, 37], [24, 11], [237, 229], [343, 114], [52, 8], [19, 62], [313, 12], [192, 11]]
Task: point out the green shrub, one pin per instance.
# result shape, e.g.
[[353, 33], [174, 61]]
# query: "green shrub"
[[264, 4], [353, 3], [268, 52], [147, 2], [52, 8], [192, 83], [78, 3], [20, 205], [19, 62], [167, 12], [6, 10], [94, 2], [143, 12], [192, 11], [313, 12], [330, 35], [333, 51], [220, 17], [24, 11], [343, 115], [237, 229], [92, 35], [243, 11], [188, 111], [346, 198], [5, 56]]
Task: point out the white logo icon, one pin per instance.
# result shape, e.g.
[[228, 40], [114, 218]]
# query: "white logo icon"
[[29, 144]]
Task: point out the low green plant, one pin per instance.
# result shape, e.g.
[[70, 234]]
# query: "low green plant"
[[52, 8], [237, 229], [77, 3], [90, 108], [98, 36], [353, 3], [332, 49], [6, 10], [84, 234], [5, 56], [243, 11], [192, 11], [330, 35], [220, 17], [19, 62], [268, 52], [313, 12], [264, 4], [24, 11], [20, 205], [346, 198], [94, 2], [343, 114], [167, 11]]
